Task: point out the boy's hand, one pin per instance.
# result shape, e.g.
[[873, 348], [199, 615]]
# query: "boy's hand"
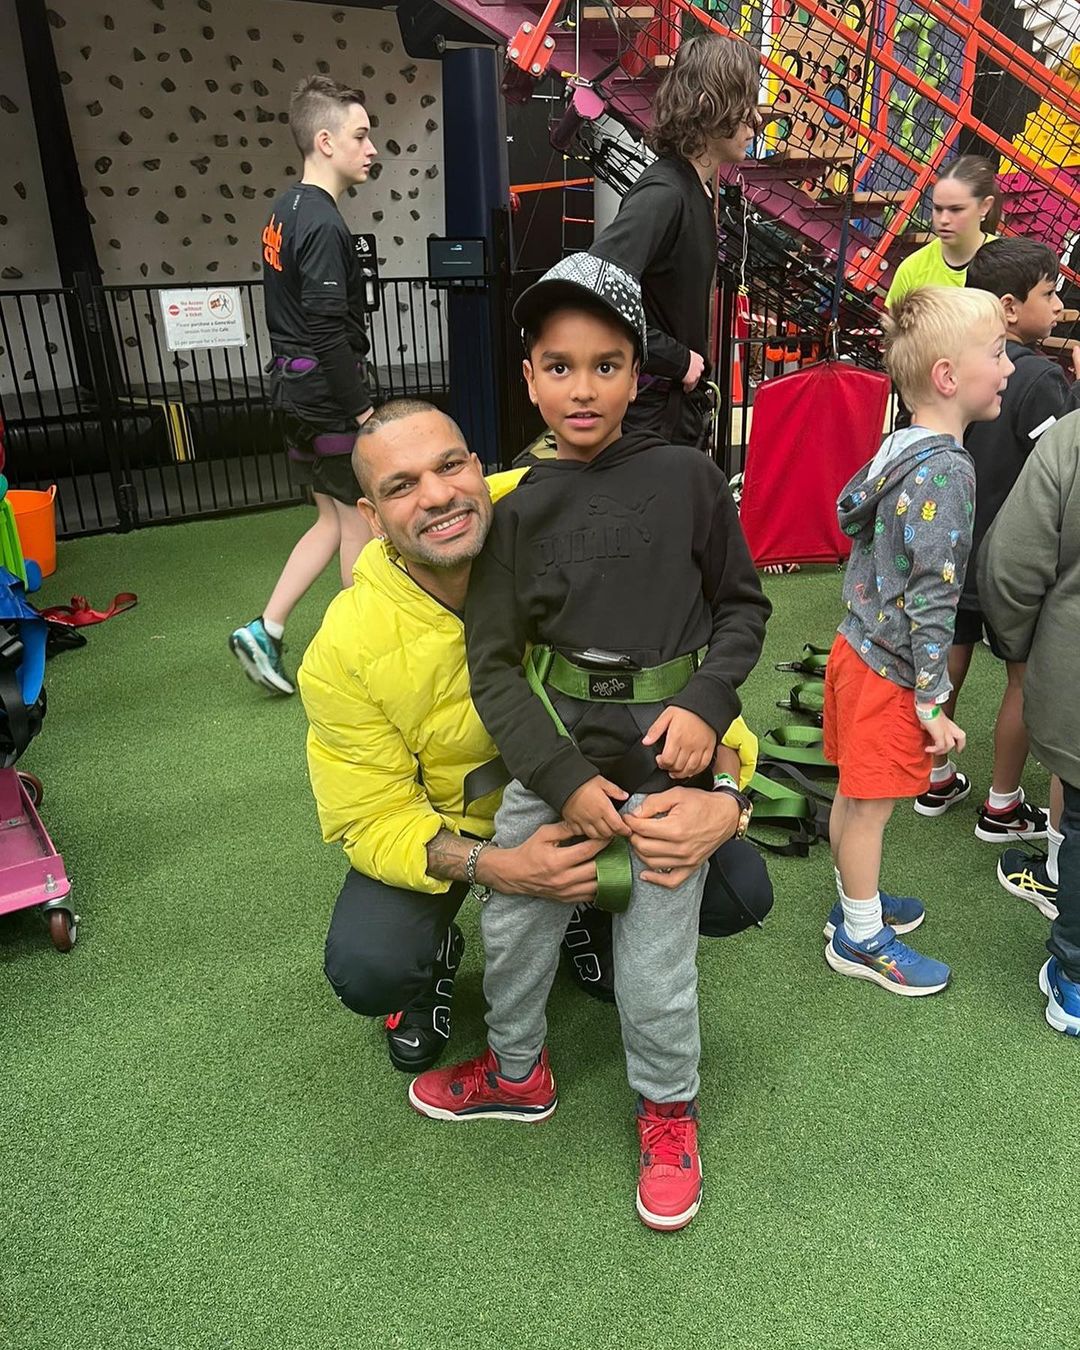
[[589, 811], [1075, 354], [694, 372], [944, 736], [689, 743]]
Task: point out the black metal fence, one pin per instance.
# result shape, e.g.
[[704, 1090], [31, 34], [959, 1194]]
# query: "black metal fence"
[[760, 338], [133, 433]]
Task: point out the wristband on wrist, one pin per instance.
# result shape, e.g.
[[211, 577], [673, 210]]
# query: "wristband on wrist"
[[925, 714], [723, 782]]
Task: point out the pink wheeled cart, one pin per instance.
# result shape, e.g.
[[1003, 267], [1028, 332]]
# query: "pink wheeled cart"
[[32, 873]]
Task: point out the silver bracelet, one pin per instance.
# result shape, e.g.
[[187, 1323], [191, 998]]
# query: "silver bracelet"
[[471, 860]]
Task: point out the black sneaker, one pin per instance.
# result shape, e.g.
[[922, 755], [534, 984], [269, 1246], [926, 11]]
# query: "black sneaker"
[[938, 797], [1025, 875], [1022, 821], [417, 1036], [587, 944]]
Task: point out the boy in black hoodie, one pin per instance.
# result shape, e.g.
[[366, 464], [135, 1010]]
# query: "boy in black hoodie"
[[622, 566], [1023, 274]]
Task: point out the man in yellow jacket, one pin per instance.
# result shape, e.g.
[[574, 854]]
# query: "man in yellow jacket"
[[407, 779]]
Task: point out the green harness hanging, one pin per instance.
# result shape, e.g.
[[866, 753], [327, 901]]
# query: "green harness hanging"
[[813, 661], [543, 665], [796, 745], [806, 699]]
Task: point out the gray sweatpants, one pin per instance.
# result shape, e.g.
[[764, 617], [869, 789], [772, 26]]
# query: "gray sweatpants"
[[655, 946]]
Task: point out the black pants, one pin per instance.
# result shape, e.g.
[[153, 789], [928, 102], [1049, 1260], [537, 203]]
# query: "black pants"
[[382, 939], [682, 419], [1064, 940]]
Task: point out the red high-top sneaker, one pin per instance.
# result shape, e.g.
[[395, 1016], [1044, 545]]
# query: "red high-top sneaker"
[[669, 1185], [475, 1090]]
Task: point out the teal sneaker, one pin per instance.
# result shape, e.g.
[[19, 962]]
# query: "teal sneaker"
[[260, 656], [887, 961], [901, 913]]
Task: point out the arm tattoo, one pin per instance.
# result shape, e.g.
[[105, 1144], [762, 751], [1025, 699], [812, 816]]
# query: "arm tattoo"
[[447, 854]]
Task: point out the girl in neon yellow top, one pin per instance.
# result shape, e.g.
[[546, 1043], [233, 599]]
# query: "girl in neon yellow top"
[[966, 212]]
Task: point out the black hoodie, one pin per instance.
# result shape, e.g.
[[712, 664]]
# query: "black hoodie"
[[640, 552], [1035, 397]]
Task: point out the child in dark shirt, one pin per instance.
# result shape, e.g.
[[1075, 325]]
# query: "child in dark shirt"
[[1023, 274], [621, 570]]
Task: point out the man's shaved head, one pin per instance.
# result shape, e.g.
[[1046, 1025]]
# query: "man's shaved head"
[[394, 411]]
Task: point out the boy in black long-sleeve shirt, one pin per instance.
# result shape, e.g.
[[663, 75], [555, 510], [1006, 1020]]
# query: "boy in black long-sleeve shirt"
[[314, 310], [1023, 274], [623, 564], [665, 233]]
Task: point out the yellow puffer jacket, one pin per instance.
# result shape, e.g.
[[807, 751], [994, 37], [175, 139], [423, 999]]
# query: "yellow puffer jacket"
[[396, 751]]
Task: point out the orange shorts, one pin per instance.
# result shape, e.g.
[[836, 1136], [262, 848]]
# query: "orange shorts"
[[872, 732]]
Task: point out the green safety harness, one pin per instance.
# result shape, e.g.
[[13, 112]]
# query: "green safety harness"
[[614, 683], [792, 789]]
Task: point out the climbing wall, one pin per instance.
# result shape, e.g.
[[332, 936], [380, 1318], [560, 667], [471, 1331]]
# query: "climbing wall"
[[806, 49], [178, 111], [26, 253]]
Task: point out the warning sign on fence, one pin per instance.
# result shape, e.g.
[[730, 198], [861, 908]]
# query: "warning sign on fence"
[[203, 318]]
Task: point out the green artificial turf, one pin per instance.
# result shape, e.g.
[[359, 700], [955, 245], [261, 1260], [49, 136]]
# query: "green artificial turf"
[[200, 1148]]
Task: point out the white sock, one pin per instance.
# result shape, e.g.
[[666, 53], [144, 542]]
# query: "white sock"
[[274, 630], [862, 918], [1001, 801], [1054, 840], [942, 775], [839, 885]]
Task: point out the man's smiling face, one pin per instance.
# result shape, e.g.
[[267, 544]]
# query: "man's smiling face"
[[424, 490]]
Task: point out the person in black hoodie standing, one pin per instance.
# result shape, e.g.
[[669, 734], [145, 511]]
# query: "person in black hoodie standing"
[[1023, 274], [318, 375], [620, 567], [705, 115]]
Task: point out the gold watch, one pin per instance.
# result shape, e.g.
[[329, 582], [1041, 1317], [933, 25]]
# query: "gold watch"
[[723, 782]]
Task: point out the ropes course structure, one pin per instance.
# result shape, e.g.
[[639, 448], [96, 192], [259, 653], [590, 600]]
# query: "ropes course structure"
[[867, 101]]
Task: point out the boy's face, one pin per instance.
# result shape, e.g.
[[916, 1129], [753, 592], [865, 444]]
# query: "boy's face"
[[582, 374], [348, 144], [733, 149], [981, 373], [1035, 318]]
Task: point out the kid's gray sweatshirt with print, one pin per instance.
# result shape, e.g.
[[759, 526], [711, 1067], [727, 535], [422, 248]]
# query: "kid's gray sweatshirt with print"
[[909, 516]]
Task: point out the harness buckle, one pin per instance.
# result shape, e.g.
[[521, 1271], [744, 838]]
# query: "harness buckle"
[[598, 659]]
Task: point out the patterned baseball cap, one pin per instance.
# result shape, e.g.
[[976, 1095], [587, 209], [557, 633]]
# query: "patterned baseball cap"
[[582, 274]]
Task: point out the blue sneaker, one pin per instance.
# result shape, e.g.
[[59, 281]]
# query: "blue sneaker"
[[901, 913], [260, 656], [888, 962], [1062, 998]]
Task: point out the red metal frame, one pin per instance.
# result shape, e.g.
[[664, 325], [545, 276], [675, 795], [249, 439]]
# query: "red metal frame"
[[531, 48]]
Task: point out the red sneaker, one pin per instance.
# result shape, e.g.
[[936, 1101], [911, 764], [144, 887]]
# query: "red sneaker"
[[476, 1091], [669, 1185]]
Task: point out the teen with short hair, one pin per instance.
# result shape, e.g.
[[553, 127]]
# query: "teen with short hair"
[[314, 312]]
